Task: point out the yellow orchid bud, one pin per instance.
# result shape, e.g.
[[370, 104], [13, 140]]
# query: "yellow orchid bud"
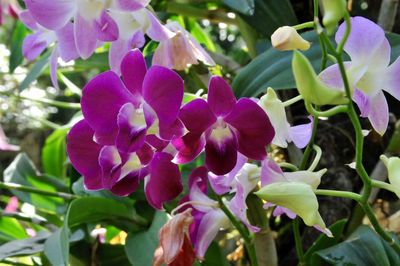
[[393, 167], [310, 86], [295, 196], [334, 11], [286, 39]]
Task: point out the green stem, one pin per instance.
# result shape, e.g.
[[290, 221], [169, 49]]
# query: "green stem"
[[293, 100], [337, 193], [383, 185], [18, 187], [23, 217], [242, 230], [304, 25], [53, 102], [297, 239], [318, 154], [328, 113], [290, 166]]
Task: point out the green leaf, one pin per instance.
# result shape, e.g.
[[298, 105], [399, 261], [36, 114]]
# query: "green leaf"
[[22, 171], [269, 15], [11, 229], [273, 68], [35, 71], [214, 256], [17, 38], [324, 241], [110, 255], [142, 254], [363, 247], [56, 247], [245, 7], [27, 246], [54, 154], [201, 35]]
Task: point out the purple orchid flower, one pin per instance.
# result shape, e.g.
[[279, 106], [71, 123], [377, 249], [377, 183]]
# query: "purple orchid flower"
[[368, 71], [121, 139], [180, 51], [223, 126], [41, 38]]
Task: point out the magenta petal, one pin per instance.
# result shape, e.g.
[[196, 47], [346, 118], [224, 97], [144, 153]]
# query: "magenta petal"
[[66, 43], [127, 185], [52, 14], [301, 134], [239, 208], [199, 177], [131, 131], [164, 183], [197, 116], [175, 129], [163, 91], [133, 70], [221, 154], [83, 153], [220, 97], [254, 130], [110, 163], [271, 173], [106, 28], [85, 36], [145, 154], [102, 98], [189, 147]]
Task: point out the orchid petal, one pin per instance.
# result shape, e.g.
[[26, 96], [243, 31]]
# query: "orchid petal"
[[189, 147], [220, 97], [28, 20], [133, 70], [53, 67], [85, 36], [132, 5], [197, 116], [156, 31], [254, 130], [198, 195], [52, 14], [163, 91], [301, 134], [271, 173], [391, 79], [363, 102], [101, 101], [106, 28], [34, 44], [83, 153], [66, 43], [379, 115], [164, 182]]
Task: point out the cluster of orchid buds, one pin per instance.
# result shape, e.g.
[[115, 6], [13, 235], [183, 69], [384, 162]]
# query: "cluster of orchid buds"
[[137, 129]]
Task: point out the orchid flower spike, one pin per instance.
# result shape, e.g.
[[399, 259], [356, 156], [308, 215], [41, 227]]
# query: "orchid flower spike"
[[368, 72], [286, 39], [393, 167], [284, 133], [310, 86], [181, 50]]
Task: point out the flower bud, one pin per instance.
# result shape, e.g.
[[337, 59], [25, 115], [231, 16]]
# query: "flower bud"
[[295, 196], [286, 38], [334, 11], [310, 86], [393, 167]]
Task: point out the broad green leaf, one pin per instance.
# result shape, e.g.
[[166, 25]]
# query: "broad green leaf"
[[11, 229], [35, 71], [27, 246], [22, 171], [53, 153], [243, 6], [17, 38], [140, 246], [269, 15], [214, 256], [363, 247], [273, 68], [324, 241], [56, 247]]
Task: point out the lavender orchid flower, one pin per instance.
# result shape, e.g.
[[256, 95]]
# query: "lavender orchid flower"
[[292, 193], [368, 71], [180, 51], [114, 147], [223, 126], [275, 109], [41, 38]]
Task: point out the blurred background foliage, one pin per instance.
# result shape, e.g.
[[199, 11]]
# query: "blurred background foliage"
[[49, 219]]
